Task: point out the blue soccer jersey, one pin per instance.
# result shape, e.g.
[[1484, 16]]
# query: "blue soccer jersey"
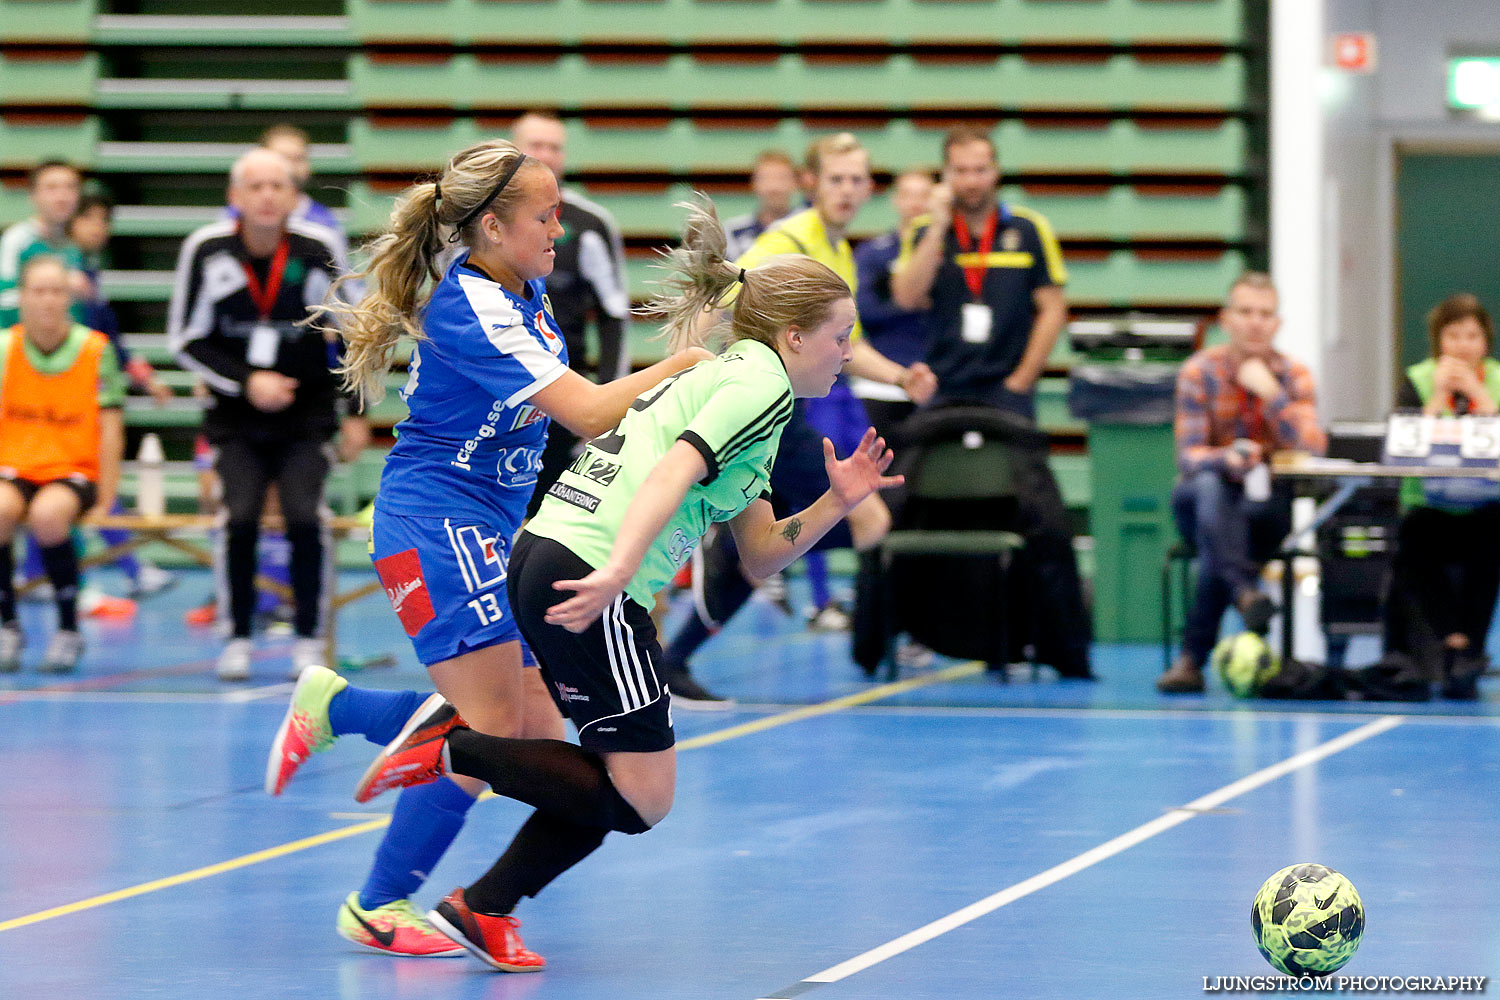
[[472, 444]]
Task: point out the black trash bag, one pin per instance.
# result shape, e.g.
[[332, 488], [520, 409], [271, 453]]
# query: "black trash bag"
[[1300, 681], [1393, 677]]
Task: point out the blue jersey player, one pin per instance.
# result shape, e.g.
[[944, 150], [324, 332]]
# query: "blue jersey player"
[[488, 371]]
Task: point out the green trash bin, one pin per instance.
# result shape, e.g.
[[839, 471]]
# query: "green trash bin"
[[1132, 467]]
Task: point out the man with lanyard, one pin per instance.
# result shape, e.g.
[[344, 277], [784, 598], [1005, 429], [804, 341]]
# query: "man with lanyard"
[[54, 188], [991, 277], [242, 287], [840, 168], [587, 280]]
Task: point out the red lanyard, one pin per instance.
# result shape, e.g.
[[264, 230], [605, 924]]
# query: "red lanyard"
[[975, 275], [265, 298]]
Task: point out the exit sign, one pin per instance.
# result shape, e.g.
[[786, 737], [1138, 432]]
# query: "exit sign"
[[1474, 83]]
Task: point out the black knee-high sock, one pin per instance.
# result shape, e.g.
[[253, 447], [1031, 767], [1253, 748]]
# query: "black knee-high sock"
[[550, 775], [546, 846], [307, 574], [7, 583], [61, 563]]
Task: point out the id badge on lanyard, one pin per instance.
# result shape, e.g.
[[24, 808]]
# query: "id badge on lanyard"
[[978, 318], [265, 339]]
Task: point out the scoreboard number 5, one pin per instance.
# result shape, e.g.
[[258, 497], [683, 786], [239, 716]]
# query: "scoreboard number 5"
[[1481, 438]]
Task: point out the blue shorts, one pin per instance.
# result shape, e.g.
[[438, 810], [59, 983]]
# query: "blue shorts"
[[445, 579]]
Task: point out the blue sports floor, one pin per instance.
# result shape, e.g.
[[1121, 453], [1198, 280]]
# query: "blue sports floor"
[[948, 836]]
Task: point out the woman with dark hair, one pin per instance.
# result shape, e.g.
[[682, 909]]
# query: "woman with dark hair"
[[1446, 572]]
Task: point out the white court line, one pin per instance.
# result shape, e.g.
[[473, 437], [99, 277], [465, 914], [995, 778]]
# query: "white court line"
[[257, 693], [1106, 850], [153, 697]]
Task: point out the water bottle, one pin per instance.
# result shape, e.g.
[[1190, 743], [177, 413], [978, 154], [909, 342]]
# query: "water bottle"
[[150, 489]]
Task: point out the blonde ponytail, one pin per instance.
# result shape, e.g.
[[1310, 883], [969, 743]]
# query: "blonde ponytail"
[[403, 261], [780, 292]]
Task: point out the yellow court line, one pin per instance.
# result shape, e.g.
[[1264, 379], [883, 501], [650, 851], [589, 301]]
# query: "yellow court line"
[[824, 708], [271, 853], [243, 861]]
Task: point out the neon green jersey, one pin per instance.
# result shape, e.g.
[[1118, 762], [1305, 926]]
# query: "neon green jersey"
[[731, 409]]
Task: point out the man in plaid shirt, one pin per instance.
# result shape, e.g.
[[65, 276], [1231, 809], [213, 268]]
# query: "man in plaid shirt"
[[1237, 403]]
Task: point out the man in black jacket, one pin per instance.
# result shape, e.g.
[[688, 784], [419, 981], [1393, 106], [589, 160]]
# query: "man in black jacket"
[[242, 287]]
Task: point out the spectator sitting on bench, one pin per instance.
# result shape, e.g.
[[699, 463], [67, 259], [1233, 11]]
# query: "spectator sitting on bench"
[[1236, 404], [61, 436]]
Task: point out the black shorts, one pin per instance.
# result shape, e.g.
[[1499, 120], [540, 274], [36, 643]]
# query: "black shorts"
[[798, 478], [88, 493], [605, 679]]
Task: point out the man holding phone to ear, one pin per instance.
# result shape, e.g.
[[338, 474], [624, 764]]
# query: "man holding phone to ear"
[[991, 276]]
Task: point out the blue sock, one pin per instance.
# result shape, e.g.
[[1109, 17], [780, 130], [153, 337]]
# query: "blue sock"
[[426, 820], [376, 715], [31, 567], [817, 578]]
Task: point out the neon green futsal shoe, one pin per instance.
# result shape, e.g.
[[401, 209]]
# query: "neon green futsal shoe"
[[394, 929], [304, 729]]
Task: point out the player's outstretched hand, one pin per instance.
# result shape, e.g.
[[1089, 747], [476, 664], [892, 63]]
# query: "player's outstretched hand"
[[862, 473], [591, 596]]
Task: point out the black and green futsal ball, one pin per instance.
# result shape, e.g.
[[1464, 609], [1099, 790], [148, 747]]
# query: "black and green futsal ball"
[[1245, 663], [1308, 920]]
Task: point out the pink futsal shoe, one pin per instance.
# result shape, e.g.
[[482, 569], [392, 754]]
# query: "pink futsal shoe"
[[417, 755], [305, 729], [393, 929], [495, 941]]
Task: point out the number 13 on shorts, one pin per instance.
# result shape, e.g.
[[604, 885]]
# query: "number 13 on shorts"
[[487, 607]]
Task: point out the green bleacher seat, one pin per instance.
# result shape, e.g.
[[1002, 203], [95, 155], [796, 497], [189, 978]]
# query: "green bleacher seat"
[[1121, 145], [679, 144], [1126, 279], [1122, 211], [161, 93], [15, 203], [26, 140], [1072, 472], [152, 158], [238, 29], [48, 77], [682, 81], [879, 21], [54, 21]]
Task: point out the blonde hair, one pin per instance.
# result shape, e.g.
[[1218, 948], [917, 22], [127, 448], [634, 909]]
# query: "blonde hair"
[[780, 292], [832, 145], [404, 259]]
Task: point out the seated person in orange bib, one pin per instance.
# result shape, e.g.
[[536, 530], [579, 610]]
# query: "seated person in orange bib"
[[61, 436], [613, 530]]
